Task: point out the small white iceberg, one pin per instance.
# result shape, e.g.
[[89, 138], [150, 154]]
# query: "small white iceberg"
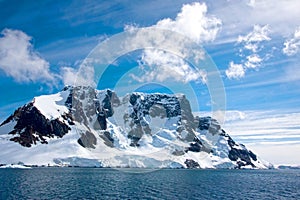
[[15, 166]]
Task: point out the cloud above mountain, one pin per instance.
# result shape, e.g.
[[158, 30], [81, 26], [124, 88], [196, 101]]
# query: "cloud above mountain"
[[193, 22], [19, 60], [238, 16], [83, 76], [160, 66]]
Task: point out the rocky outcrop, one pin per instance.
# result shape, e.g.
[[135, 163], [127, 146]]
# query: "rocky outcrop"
[[33, 127], [164, 106], [191, 164], [240, 154], [237, 152], [87, 140], [154, 105]]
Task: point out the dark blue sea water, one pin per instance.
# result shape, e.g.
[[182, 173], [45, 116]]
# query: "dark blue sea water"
[[83, 183]]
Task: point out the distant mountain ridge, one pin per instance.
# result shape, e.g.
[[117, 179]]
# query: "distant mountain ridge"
[[81, 126]]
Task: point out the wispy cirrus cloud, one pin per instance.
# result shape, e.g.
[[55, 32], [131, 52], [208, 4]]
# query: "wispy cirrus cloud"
[[271, 131], [265, 125], [19, 60], [238, 17]]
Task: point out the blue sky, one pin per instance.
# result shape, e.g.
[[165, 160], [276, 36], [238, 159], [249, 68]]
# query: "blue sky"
[[254, 44]]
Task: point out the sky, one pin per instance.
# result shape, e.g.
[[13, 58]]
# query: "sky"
[[254, 45]]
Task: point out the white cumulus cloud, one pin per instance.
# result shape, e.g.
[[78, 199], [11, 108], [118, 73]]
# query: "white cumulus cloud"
[[251, 3], [20, 61], [193, 22], [159, 65], [292, 46], [253, 39], [250, 51], [235, 115], [235, 71], [69, 75], [253, 61], [239, 16], [84, 76]]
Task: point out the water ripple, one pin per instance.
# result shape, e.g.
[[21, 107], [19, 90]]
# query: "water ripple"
[[78, 183]]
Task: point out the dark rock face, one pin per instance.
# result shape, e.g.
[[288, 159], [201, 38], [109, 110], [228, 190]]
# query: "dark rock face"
[[108, 140], [187, 120], [244, 155], [110, 100], [104, 109], [159, 105], [208, 123], [69, 101], [33, 127], [239, 152], [191, 164], [84, 104], [204, 123], [81, 112], [101, 118], [153, 105], [172, 108], [195, 147], [87, 140]]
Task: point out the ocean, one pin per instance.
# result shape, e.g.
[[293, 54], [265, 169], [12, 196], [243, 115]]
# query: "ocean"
[[99, 183]]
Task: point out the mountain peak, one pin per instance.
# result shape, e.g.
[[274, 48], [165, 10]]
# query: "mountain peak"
[[137, 130]]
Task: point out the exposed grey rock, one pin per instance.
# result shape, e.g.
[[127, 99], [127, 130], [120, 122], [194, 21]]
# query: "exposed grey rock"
[[191, 164], [108, 140], [87, 140]]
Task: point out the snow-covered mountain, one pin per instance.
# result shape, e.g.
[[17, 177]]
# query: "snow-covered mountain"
[[81, 126]]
